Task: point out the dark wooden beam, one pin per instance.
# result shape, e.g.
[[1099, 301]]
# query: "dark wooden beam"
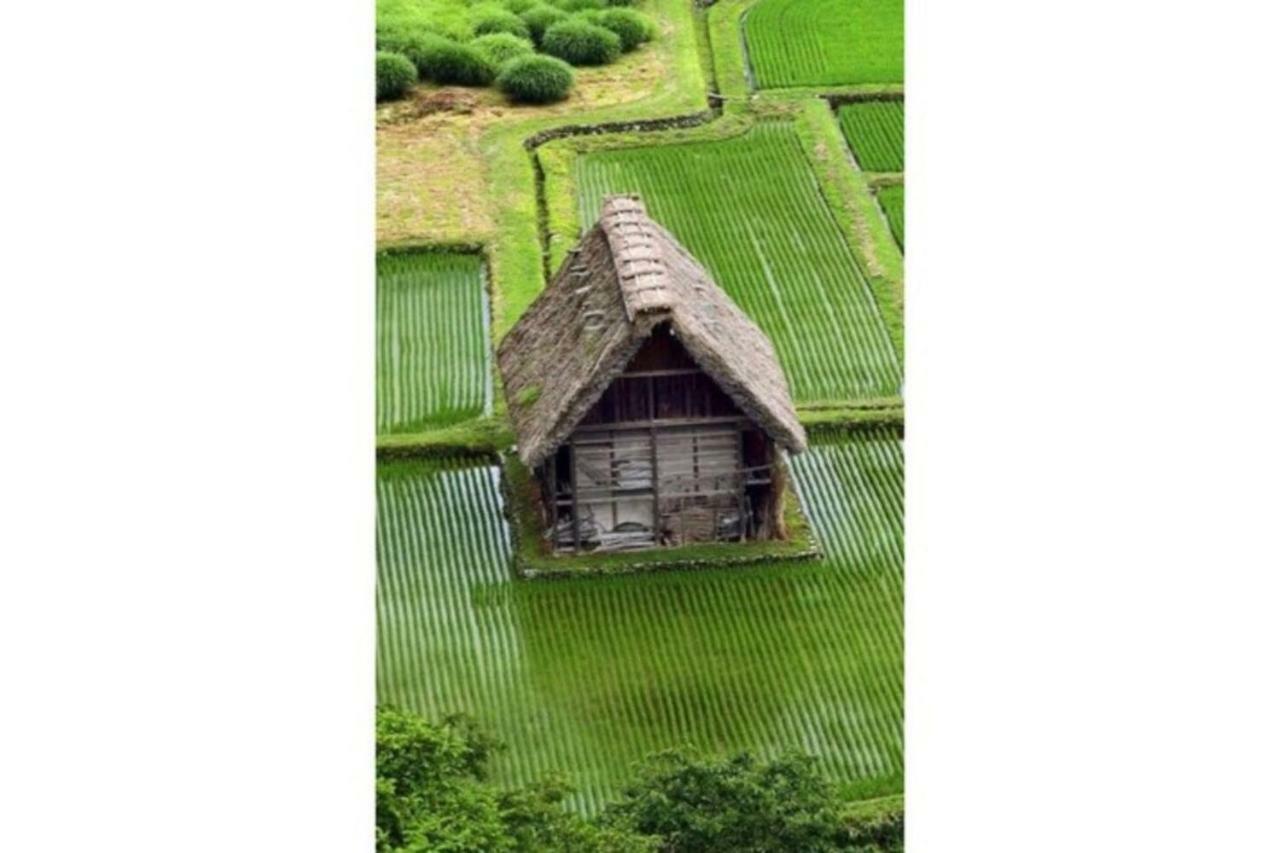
[[661, 422], [573, 496], [653, 479], [641, 374], [742, 488]]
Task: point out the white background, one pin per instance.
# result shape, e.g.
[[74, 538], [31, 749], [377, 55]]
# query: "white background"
[[186, 513]]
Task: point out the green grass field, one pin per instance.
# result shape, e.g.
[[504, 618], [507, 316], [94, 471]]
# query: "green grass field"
[[874, 131], [892, 200], [588, 675], [750, 210], [433, 349], [824, 42]]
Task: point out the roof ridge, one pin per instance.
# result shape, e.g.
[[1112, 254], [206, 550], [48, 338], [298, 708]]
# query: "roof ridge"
[[643, 275]]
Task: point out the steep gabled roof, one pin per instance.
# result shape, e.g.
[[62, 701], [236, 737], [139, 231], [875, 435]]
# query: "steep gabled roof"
[[626, 276]]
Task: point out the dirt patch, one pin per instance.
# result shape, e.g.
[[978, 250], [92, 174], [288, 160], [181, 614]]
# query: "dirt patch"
[[428, 102]]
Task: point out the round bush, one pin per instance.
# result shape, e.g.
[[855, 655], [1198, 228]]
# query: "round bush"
[[444, 61], [497, 20], [536, 79], [629, 25], [622, 2], [519, 6], [395, 74], [541, 16], [579, 5], [499, 48], [580, 42], [406, 24], [410, 43]]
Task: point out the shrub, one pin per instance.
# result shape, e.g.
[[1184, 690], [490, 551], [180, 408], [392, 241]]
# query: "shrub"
[[579, 5], [875, 833], [629, 25], [623, 2], [413, 44], [502, 47], [444, 61], [395, 74], [440, 19], [536, 79], [519, 6], [739, 803], [580, 42], [541, 16], [494, 19], [431, 794]]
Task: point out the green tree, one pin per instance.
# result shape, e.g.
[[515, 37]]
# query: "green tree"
[[432, 795], [734, 804], [873, 830]]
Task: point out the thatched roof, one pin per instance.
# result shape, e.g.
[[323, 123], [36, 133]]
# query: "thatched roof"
[[626, 276]]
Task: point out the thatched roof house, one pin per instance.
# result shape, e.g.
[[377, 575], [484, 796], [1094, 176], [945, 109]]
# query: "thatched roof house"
[[634, 363]]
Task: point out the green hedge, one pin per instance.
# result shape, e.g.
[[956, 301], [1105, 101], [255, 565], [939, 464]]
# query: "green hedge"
[[580, 42], [444, 61], [501, 48], [579, 5], [493, 19], [536, 79], [395, 74], [414, 45], [540, 17], [633, 28]]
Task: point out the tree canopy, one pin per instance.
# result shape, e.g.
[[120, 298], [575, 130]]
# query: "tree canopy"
[[433, 795]]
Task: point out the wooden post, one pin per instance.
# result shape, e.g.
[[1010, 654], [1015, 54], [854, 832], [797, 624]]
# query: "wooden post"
[[573, 496], [742, 488], [549, 492], [613, 477], [653, 481], [778, 478]]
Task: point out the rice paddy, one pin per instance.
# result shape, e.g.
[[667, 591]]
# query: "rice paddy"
[[588, 675], [749, 209], [874, 131], [432, 338], [892, 199], [824, 42]]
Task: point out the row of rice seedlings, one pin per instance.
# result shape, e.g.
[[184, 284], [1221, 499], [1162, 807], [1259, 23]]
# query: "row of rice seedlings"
[[749, 209], [824, 42], [852, 489], [892, 200], [433, 347], [440, 532], [874, 131], [588, 675]]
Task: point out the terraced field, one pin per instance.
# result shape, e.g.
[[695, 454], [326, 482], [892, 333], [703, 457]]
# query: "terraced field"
[[750, 210], [892, 200], [588, 675], [874, 131], [433, 350], [824, 42]]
